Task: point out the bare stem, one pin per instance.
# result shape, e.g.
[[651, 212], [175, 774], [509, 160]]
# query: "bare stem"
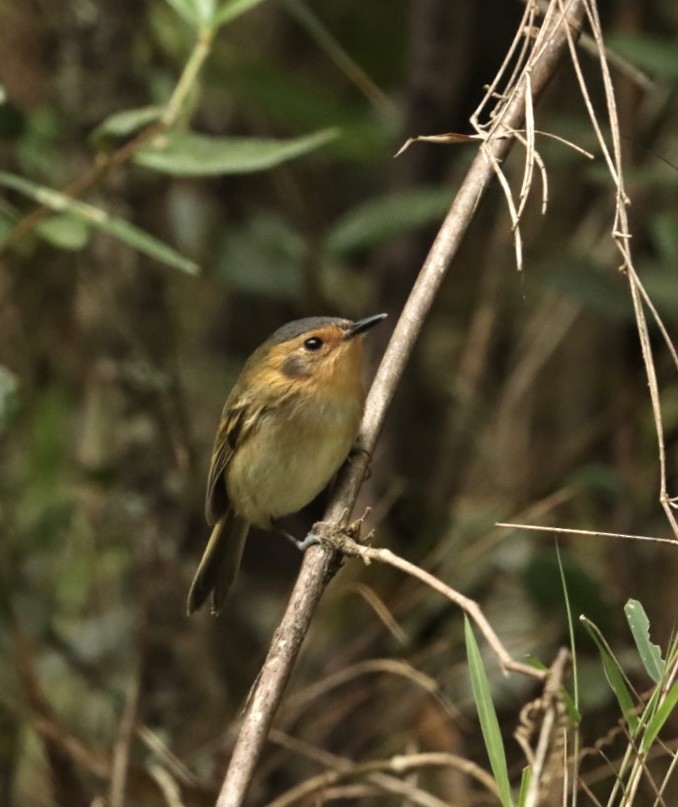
[[562, 20], [368, 553]]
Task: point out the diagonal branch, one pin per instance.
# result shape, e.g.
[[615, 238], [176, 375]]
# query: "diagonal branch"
[[562, 20]]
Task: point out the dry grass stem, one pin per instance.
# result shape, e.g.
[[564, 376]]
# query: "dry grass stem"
[[388, 666], [121, 749], [400, 764], [167, 785], [338, 763], [589, 533], [621, 236], [382, 611], [550, 714], [368, 554]]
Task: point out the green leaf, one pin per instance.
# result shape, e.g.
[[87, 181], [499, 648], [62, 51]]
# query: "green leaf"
[[525, 780], [231, 9], [93, 217], [571, 706], [65, 231], [125, 123], [381, 219], [657, 55], [9, 398], [615, 676], [300, 104], [187, 154], [650, 654], [487, 715], [660, 717], [197, 13]]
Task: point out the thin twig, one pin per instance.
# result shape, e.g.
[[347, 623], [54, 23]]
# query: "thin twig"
[[319, 562], [120, 764], [621, 235], [368, 553], [373, 771], [589, 533], [383, 666], [381, 610], [551, 730], [328, 760]]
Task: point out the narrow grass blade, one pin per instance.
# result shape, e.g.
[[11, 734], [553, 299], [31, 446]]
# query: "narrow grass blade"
[[615, 676], [660, 717], [196, 12], [232, 9], [525, 780], [487, 716]]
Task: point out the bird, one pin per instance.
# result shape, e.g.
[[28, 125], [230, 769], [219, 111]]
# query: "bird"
[[286, 428]]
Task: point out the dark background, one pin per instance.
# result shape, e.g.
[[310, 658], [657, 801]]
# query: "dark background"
[[525, 400]]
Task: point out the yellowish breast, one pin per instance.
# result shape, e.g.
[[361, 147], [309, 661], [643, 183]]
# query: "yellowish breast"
[[292, 456]]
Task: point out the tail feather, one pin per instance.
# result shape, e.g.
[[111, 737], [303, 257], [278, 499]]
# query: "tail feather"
[[219, 563]]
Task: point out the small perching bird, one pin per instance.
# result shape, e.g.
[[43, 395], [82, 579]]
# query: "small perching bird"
[[289, 423]]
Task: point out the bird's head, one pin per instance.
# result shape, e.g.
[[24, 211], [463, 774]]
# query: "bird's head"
[[322, 355]]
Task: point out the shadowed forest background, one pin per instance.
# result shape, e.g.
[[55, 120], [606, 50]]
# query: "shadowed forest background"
[[526, 399]]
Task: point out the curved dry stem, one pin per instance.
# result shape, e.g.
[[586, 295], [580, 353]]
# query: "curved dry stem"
[[401, 764], [381, 666], [471, 607]]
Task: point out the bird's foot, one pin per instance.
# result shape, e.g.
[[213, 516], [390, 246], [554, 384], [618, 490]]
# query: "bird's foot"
[[333, 536], [301, 544], [344, 539]]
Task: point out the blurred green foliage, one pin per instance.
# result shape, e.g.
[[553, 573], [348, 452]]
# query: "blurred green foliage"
[[265, 175]]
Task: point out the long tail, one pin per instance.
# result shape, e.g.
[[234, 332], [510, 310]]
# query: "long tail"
[[219, 563]]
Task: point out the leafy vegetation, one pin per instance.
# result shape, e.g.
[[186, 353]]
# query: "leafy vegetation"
[[179, 178]]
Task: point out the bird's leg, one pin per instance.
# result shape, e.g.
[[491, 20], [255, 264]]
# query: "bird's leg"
[[344, 539], [332, 535], [302, 544], [309, 540]]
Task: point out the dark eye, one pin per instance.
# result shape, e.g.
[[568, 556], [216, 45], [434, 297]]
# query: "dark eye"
[[313, 343]]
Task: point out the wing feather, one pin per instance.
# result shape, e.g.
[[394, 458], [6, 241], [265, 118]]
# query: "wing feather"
[[238, 423]]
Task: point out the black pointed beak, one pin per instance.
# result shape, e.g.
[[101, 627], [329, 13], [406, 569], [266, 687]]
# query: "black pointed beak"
[[363, 325]]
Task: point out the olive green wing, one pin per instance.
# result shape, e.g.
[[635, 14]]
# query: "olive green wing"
[[221, 558], [228, 437], [238, 422]]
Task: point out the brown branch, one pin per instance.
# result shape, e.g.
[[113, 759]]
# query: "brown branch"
[[320, 563], [368, 554]]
